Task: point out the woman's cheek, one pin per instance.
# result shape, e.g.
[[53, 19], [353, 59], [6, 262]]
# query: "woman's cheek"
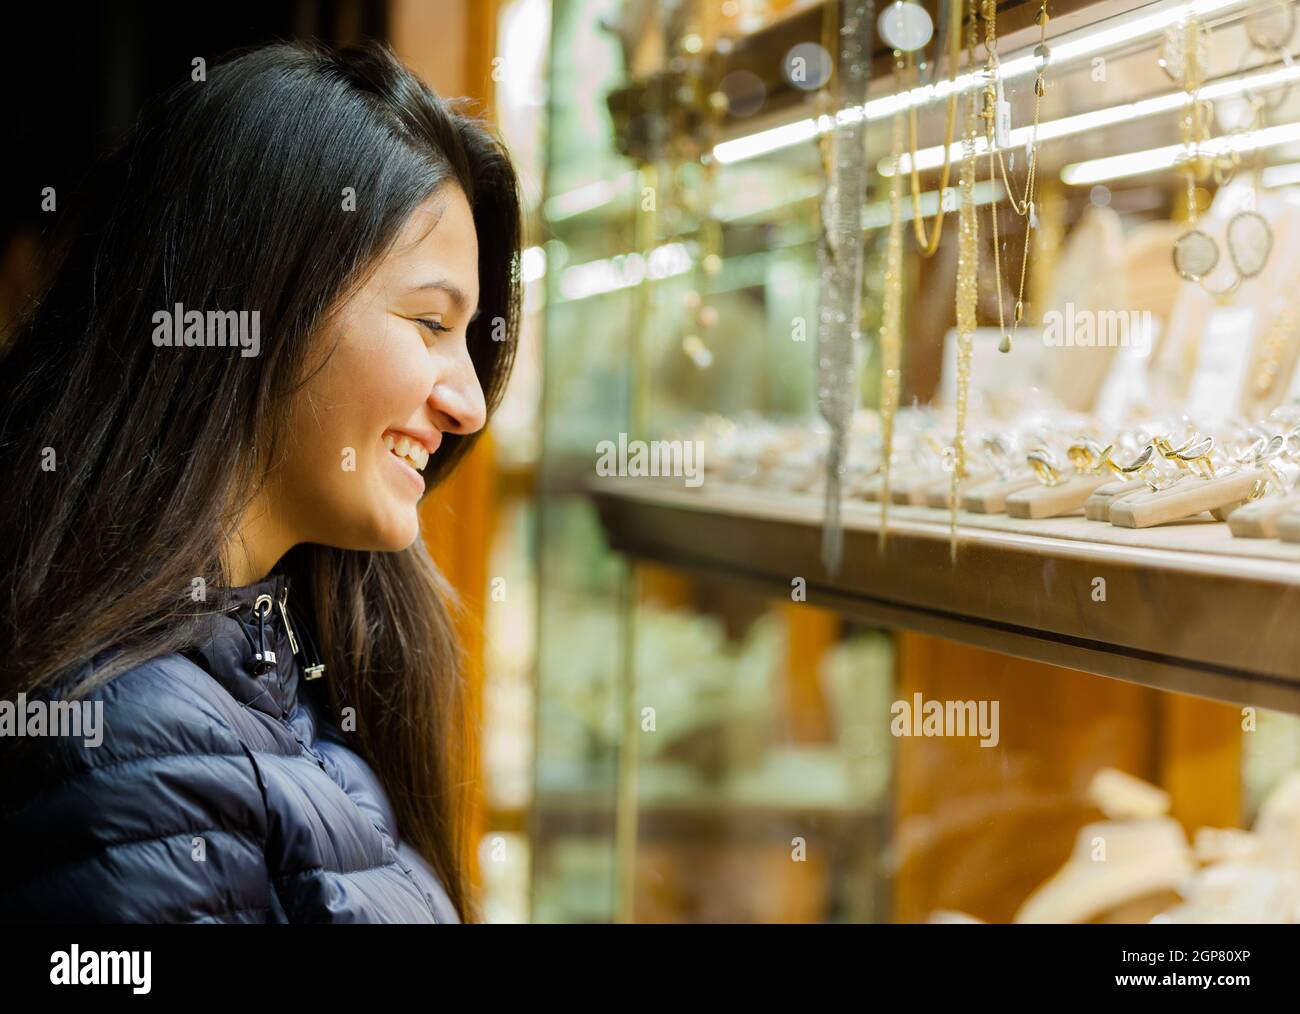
[[393, 378], [379, 377]]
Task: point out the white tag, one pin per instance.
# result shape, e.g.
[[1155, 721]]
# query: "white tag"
[[1221, 364], [996, 380], [1002, 122], [1293, 392], [1126, 384]]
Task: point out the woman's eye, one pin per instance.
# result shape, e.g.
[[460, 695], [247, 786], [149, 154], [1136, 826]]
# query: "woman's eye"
[[436, 326]]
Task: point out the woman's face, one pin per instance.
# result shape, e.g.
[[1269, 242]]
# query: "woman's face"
[[400, 378]]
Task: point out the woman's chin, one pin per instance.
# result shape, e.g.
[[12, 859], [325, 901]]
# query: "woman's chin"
[[388, 530], [398, 533]]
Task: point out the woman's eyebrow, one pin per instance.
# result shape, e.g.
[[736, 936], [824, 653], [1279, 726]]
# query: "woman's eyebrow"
[[457, 294]]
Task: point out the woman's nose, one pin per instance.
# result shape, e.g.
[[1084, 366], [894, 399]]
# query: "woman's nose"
[[457, 398]]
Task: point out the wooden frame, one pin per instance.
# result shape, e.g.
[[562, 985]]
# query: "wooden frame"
[[1185, 608]]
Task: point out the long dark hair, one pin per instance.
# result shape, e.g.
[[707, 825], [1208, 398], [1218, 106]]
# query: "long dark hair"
[[229, 194]]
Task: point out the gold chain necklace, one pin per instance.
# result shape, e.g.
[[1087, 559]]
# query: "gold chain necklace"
[[930, 243], [1281, 332], [891, 311], [967, 289], [995, 116]]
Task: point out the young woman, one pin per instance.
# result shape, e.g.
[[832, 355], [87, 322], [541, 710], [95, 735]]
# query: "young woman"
[[289, 303]]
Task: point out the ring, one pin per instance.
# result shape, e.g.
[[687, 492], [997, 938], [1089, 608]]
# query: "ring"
[[1045, 467]]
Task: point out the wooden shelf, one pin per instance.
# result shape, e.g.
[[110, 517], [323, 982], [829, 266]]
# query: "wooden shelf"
[[1187, 607], [695, 819]]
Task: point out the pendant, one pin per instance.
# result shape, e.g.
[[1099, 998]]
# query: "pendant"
[[1195, 255], [1250, 241]]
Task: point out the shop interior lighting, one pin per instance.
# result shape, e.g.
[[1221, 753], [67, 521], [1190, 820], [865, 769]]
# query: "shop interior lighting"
[[932, 158], [610, 274], [1064, 51], [1281, 175], [1152, 160]]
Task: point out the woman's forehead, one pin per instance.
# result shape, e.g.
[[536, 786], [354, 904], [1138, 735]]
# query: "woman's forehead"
[[439, 240]]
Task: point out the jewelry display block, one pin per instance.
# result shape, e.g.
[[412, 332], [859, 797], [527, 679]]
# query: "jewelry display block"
[[1067, 497], [1097, 506], [1259, 520], [991, 497], [1185, 499]]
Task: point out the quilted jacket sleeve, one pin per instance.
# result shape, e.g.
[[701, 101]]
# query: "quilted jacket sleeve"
[[163, 820]]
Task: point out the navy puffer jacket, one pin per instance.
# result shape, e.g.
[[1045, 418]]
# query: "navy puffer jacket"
[[216, 795]]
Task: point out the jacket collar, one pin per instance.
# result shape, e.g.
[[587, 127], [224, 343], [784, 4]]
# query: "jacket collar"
[[247, 621]]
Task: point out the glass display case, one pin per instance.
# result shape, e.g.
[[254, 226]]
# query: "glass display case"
[[918, 535]]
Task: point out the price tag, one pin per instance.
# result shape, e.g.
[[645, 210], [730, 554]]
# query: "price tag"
[[1293, 392], [1002, 121], [1221, 361], [1127, 383]]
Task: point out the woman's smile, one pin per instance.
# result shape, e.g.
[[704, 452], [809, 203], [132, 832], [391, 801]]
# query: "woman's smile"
[[409, 457], [416, 450]]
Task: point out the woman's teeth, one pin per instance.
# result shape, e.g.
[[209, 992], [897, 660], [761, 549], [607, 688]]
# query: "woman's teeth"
[[405, 447]]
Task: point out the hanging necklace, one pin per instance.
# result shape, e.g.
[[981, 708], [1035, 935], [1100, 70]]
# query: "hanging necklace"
[[967, 289], [840, 257], [891, 311], [1184, 55], [907, 27], [1269, 27], [904, 13], [1282, 331], [711, 106], [997, 132]]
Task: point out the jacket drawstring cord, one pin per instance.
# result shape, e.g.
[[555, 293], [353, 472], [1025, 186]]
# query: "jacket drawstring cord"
[[265, 657]]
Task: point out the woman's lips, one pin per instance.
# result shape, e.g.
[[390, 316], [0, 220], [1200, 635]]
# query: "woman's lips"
[[416, 449], [407, 469]]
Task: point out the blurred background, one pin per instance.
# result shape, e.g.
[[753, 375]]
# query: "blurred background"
[[656, 742]]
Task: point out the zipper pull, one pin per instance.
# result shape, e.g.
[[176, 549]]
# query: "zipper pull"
[[310, 671], [293, 641], [264, 656]]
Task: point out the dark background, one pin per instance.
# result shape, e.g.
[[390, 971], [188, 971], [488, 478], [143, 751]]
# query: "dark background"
[[75, 75]]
